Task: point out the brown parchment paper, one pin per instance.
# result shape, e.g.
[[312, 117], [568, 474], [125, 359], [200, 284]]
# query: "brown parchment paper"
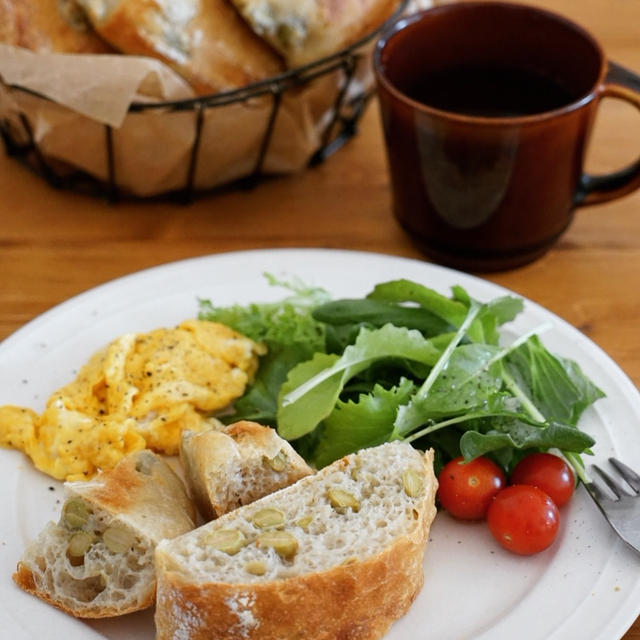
[[152, 150]]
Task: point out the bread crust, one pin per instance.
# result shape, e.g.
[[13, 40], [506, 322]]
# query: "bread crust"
[[213, 49], [45, 26], [352, 602], [247, 428], [210, 457], [356, 600], [124, 491]]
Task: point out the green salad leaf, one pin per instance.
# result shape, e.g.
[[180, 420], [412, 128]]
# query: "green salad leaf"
[[557, 387], [376, 313], [516, 434], [367, 422], [465, 385], [260, 401], [407, 362], [287, 322], [311, 391], [402, 291]]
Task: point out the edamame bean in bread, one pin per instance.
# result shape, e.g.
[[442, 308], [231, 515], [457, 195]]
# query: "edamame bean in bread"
[[205, 41], [97, 561], [338, 554], [303, 31], [236, 465]]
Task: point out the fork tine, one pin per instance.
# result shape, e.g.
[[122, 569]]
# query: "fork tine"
[[598, 494], [613, 486], [630, 476], [623, 513]]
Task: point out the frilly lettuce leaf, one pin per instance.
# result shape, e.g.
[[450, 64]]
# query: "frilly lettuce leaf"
[[284, 323], [367, 422]]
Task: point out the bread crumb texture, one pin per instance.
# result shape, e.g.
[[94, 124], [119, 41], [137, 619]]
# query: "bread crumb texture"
[[338, 554], [118, 582], [98, 559]]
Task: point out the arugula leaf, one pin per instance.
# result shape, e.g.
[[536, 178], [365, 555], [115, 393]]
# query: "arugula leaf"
[[409, 416], [366, 423], [557, 388], [587, 391], [371, 345], [464, 385], [377, 313], [402, 290], [516, 434], [504, 309], [452, 310], [493, 314]]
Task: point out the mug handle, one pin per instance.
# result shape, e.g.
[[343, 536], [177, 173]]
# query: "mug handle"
[[625, 85]]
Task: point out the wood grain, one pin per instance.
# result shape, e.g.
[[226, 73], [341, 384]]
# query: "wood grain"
[[56, 244]]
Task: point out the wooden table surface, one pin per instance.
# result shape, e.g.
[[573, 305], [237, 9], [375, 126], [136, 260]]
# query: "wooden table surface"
[[54, 244]]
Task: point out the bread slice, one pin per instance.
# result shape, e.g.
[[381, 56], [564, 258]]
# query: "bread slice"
[[48, 26], [205, 41], [303, 31], [97, 561], [339, 554], [236, 465]]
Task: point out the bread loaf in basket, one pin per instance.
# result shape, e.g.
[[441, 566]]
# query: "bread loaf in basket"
[[149, 97]]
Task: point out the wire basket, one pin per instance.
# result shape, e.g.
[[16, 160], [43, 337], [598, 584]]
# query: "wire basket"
[[334, 126]]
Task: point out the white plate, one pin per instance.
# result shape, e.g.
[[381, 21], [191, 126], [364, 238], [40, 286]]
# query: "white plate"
[[587, 585]]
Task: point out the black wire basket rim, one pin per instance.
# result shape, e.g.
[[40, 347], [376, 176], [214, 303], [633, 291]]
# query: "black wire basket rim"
[[274, 84]]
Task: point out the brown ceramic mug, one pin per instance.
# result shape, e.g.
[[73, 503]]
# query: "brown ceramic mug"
[[487, 109]]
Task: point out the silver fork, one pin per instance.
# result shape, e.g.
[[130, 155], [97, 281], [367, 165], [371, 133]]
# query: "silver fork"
[[619, 502]]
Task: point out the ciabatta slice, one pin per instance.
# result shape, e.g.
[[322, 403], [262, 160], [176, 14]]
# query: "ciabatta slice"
[[338, 554], [97, 561]]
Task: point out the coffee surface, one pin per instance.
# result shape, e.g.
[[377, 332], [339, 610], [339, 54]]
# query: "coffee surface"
[[490, 91]]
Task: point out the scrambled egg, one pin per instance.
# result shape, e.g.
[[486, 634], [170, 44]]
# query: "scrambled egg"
[[139, 392]]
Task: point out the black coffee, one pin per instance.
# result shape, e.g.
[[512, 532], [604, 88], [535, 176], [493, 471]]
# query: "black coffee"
[[490, 91]]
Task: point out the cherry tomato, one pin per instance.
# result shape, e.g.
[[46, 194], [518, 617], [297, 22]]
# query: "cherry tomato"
[[523, 519], [547, 472], [466, 488]]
